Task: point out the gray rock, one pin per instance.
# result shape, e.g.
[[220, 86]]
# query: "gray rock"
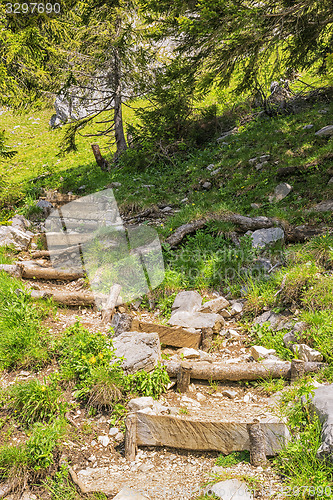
[[188, 353], [207, 185], [261, 165], [138, 404], [215, 305], [280, 192], [256, 206], [197, 320], [253, 161], [121, 322], [322, 404], [113, 431], [228, 393], [237, 308], [210, 167], [227, 134], [307, 127], [265, 157], [231, 489], [260, 352], [300, 326], [12, 236], [272, 236], [289, 339], [276, 321], [188, 301], [330, 181], [324, 206], [55, 121], [45, 206], [141, 351], [20, 222], [215, 172], [306, 353], [325, 131], [129, 494]]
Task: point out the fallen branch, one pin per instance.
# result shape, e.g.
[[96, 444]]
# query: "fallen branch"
[[245, 224], [203, 370]]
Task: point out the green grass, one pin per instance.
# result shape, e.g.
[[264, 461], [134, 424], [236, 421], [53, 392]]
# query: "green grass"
[[24, 342], [233, 458]]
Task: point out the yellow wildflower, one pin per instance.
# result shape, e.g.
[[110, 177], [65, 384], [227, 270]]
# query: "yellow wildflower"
[[92, 360]]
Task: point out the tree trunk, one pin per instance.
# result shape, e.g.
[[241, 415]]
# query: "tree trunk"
[[118, 118], [101, 162]]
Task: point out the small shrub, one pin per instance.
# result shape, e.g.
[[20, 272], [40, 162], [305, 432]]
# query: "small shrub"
[[42, 443], [321, 249], [296, 281], [60, 486], [148, 384], [320, 295]]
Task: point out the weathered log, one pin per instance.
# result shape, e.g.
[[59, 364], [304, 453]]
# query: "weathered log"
[[244, 223], [297, 369], [257, 444], [45, 254], [12, 269], [72, 298], [130, 436], [299, 234], [203, 370], [111, 303], [207, 338], [175, 336], [184, 376], [49, 273], [205, 434], [101, 162]]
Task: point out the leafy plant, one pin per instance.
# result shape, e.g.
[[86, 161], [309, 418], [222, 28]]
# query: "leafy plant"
[[148, 384], [42, 443]]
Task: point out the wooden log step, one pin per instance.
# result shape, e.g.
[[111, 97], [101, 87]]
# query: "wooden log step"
[[48, 273], [11, 269], [193, 434], [72, 298], [169, 335], [203, 370]]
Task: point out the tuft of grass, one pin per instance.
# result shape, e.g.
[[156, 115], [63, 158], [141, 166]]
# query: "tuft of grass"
[[233, 458], [35, 401], [271, 339]]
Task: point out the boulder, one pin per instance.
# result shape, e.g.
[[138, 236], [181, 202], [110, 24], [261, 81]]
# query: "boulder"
[[280, 192], [129, 494], [260, 352], [13, 236], [324, 206], [306, 353], [227, 134], [300, 326], [137, 404], [321, 403], [325, 131], [197, 320], [187, 301], [141, 351], [276, 321], [20, 222], [270, 237], [215, 305], [231, 489]]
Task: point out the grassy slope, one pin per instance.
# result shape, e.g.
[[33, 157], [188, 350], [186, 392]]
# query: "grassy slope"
[[236, 186]]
